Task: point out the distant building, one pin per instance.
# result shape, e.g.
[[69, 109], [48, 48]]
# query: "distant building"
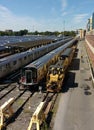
[[9, 31], [93, 21], [90, 23], [82, 33]]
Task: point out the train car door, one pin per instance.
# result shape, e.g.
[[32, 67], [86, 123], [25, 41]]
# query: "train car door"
[[28, 76]]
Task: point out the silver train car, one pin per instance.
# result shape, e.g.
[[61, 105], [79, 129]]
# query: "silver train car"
[[33, 73], [16, 61]]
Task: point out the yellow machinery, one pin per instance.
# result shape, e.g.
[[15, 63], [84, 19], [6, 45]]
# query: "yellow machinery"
[[56, 73]]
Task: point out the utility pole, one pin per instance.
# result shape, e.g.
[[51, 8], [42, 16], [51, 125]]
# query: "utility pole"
[[63, 28]]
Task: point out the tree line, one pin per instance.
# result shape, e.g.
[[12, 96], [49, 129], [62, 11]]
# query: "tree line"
[[26, 32]]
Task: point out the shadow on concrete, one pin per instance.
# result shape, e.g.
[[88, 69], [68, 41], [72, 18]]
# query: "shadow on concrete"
[[76, 53], [87, 93], [87, 90], [75, 64], [69, 82]]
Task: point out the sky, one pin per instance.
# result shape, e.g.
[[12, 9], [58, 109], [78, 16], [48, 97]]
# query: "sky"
[[45, 15]]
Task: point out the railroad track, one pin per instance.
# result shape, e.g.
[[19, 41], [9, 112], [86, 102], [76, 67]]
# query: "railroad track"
[[4, 86], [6, 90], [12, 77], [23, 110], [25, 103], [45, 111]]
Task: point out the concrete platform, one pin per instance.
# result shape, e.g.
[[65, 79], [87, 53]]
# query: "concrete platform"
[[76, 106]]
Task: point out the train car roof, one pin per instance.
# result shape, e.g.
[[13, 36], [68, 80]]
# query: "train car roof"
[[11, 40], [14, 57], [59, 64], [67, 52], [41, 61], [2, 48], [8, 59], [22, 54]]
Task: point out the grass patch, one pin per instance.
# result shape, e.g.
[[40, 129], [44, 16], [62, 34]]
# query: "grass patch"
[[20, 102]]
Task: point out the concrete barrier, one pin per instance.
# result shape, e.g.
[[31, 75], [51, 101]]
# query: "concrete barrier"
[[6, 111], [40, 115]]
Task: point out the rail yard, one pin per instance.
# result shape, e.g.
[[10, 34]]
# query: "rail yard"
[[16, 61], [46, 65], [47, 68]]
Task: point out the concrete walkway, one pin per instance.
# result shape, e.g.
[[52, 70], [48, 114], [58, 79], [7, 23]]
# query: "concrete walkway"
[[76, 106]]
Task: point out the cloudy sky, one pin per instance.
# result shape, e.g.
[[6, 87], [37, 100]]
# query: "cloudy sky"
[[43, 15]]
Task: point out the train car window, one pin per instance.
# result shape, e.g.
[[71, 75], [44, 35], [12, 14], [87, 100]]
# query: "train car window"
[[28, 55], [49, 72], [62, 58], [7, 65], [14, 62], [34, 74], [0, 68], [28, 74], [38, 53], [31, 56], [22, 72], [20, 59], [61, 71], [54, 72], [35, 53], [25, 58]]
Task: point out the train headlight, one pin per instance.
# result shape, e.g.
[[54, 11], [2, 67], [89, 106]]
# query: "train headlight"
[[23, 79]]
